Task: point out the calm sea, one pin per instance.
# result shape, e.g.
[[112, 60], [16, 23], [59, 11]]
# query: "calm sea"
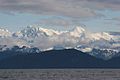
[[59, 74]]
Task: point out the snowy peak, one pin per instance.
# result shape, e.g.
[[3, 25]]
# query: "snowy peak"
[[4, 33], [49, 32], [77, 32], [30, 31], [102, 35], [79, 29], [104, 53], [33, 32]]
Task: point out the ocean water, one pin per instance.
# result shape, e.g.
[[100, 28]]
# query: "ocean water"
[[59, 74]]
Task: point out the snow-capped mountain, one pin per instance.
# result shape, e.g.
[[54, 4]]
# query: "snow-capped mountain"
[[77, 32], [102, 35], [104, 53], [102, 44], [33, 32], [5, 33]]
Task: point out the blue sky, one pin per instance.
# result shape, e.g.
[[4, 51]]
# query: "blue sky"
[[96, 15]]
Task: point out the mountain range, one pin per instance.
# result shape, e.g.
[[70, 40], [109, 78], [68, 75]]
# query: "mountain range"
[[34, 41], [54, 59]]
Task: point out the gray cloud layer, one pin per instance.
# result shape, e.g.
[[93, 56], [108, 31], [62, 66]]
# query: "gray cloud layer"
[[69, 8]]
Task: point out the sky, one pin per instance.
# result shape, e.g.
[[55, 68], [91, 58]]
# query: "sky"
[[94, 15]]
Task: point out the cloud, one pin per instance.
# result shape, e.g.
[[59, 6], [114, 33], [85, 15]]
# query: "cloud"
[[104, 4], [64, 40], [114, 19], [10, 42], [69, 8], [57, 21]]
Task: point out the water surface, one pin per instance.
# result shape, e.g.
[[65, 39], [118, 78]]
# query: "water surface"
[[59, 74]]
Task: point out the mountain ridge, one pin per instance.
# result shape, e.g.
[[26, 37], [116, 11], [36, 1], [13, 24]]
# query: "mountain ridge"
[[48, 39], [57, 59]]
